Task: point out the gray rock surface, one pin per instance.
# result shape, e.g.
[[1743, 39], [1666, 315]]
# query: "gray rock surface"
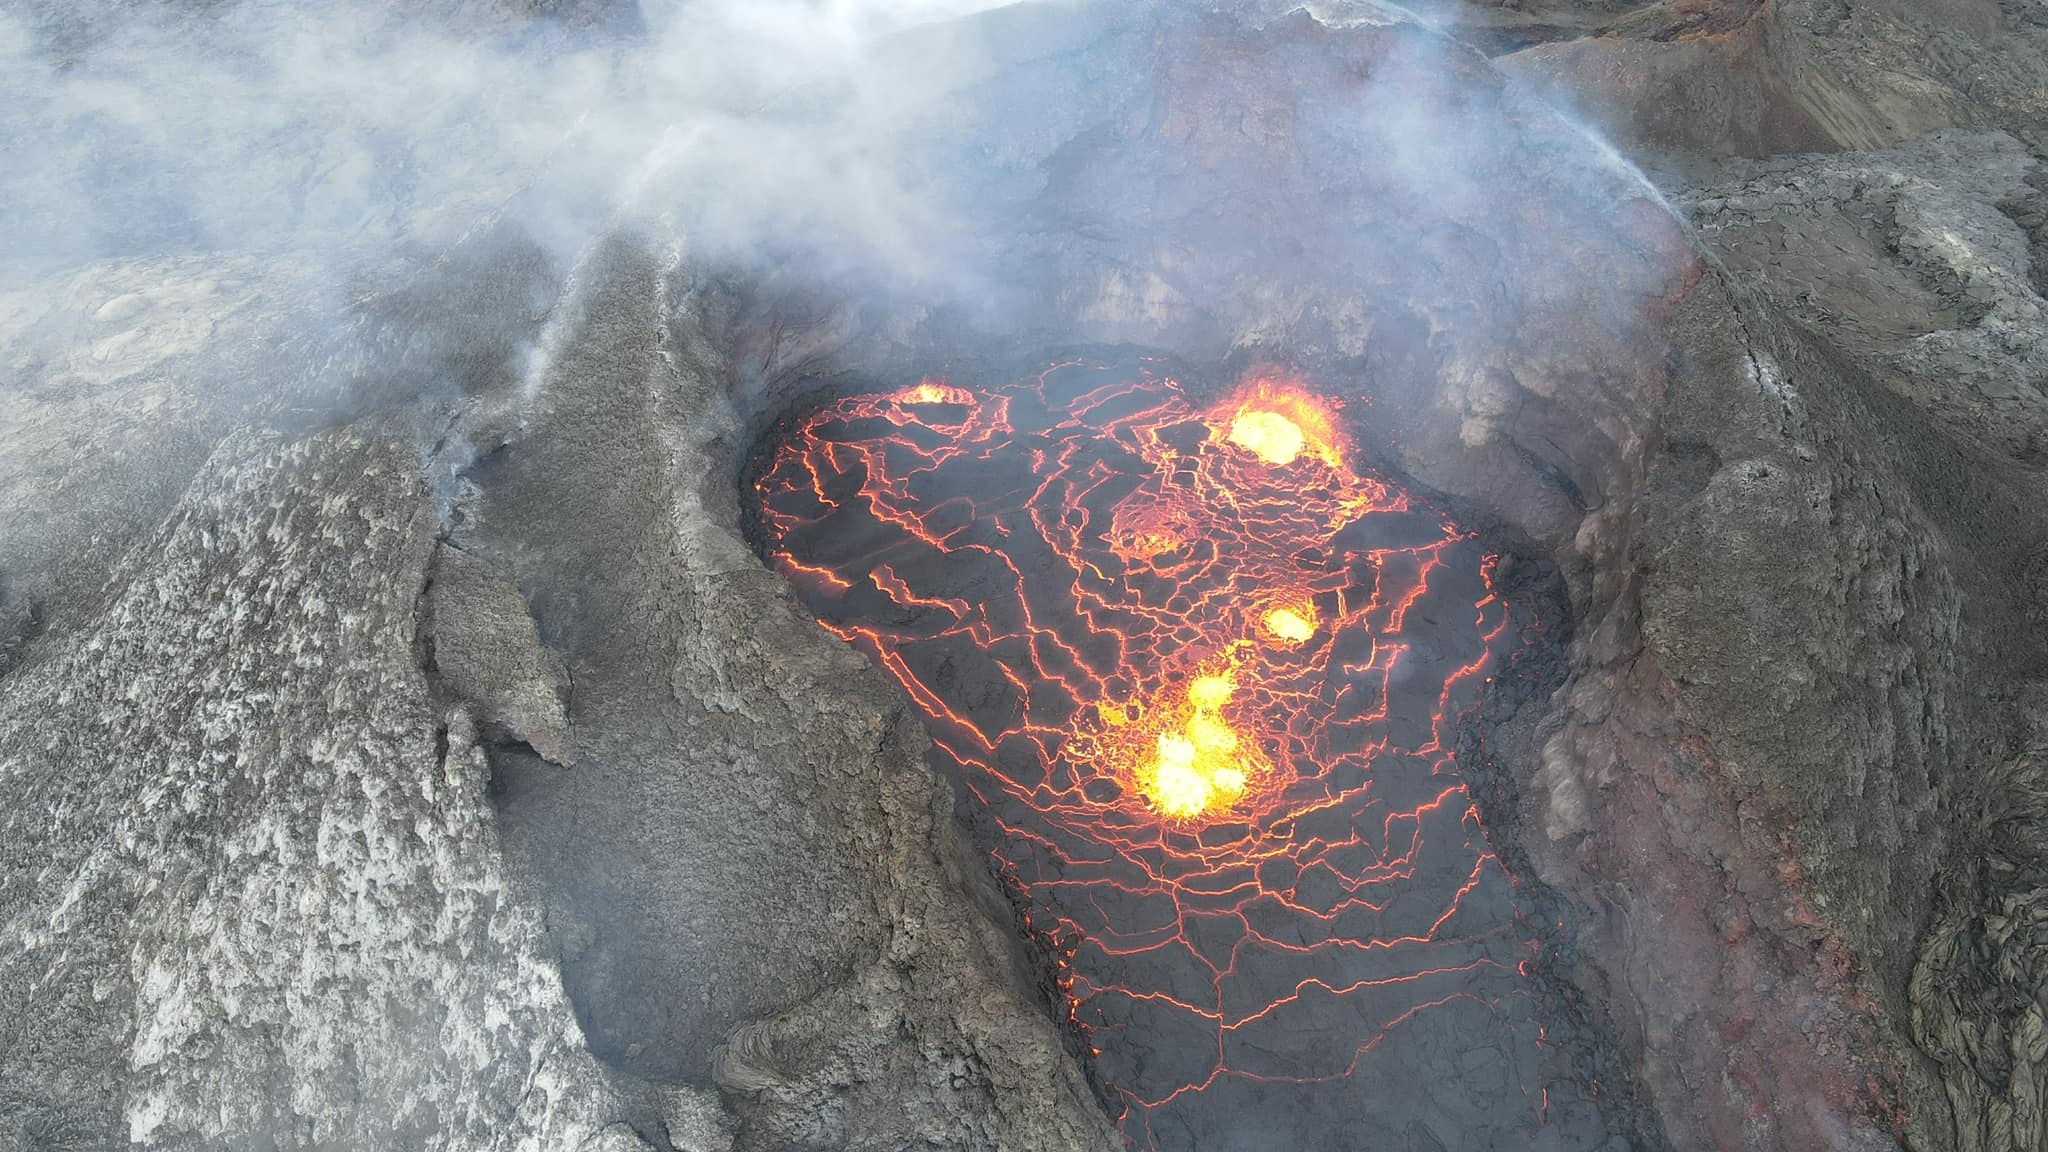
[[1888, 499], [119, 380], [1976, 988], [1753, 78], [486, 652], [253, 894]]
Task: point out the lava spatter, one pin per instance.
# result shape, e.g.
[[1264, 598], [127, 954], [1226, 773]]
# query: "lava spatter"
[[1200, 675], [1280, 425], [1190, 757]]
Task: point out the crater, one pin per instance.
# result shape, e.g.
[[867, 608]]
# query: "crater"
[[1212, 686]]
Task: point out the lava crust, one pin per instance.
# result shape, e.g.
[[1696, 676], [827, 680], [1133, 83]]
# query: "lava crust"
[[1201, 673]]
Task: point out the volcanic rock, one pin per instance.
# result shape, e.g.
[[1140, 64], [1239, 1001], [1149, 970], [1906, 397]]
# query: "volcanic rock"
[[253, 884], [1758, 77], [1883, 499], [486, 652]]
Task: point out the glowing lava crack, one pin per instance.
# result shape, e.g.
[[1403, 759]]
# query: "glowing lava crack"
[[1201, 677]]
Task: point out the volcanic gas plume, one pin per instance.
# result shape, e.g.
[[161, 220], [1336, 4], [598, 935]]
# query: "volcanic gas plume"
[[1201, 671]]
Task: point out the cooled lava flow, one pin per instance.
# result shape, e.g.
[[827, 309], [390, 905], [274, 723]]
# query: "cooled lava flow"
[[1202, 671]]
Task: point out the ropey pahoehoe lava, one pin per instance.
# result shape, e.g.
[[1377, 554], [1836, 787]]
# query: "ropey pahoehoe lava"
[[1201, 670]]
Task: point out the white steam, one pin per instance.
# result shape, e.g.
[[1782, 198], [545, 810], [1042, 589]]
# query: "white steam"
[[347, 129]]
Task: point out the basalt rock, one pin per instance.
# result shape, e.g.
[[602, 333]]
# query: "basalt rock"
[[1887, 499], [254, 896], [486, 652], [1761, 77]]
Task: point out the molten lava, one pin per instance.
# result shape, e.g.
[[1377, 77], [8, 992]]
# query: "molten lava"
[[1199, 764], [933, 392], [1280, 425], [1202, 679], [1290, 625]]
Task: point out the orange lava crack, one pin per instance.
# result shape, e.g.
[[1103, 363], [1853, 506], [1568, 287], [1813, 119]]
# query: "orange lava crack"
[[1202, 674]]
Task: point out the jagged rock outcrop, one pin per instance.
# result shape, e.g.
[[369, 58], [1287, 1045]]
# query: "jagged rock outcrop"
[[252, 892], [486, 652], [1887, 500]]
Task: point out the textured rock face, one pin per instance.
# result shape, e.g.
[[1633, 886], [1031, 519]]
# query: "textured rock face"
[[1689, 857], [486, 652], [1880, 500], [253, 893], [1753, 78], [1822, 664], [1975, 991], [1898, 728]]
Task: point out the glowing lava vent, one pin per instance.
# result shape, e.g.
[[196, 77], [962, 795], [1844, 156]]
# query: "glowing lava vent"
[[1202, 678]]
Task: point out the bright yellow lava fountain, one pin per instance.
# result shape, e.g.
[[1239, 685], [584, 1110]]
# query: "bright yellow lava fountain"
[[933, 392], [1268, 435], [1198, 768], [1291, 625], [1280, 426]]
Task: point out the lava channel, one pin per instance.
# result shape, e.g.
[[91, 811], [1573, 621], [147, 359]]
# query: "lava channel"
[[1201, 673]]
